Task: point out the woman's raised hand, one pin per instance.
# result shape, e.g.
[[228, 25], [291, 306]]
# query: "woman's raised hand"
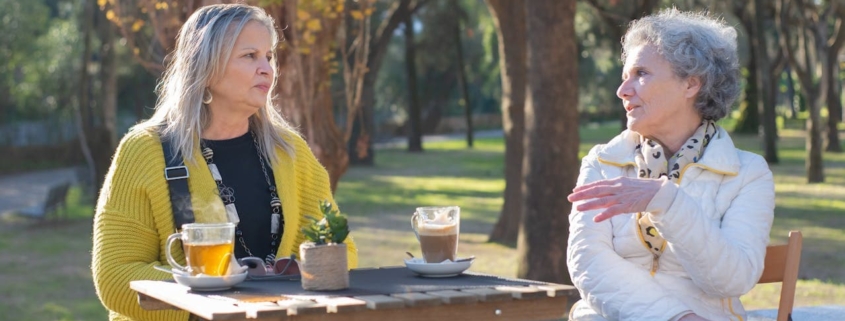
[[617, 196]]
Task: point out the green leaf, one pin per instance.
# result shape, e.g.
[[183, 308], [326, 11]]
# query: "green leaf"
[[332, 227]]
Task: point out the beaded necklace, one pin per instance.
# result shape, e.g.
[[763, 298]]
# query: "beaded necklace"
[[227, 194]]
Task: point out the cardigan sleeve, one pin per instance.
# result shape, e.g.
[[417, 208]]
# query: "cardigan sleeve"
[[126, 244], [313, 186]]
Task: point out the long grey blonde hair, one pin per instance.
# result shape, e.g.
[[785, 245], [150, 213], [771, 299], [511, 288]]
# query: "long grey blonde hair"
[[203, 47]]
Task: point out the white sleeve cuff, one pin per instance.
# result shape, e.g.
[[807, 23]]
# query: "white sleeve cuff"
[[663, 198], [680, 315]]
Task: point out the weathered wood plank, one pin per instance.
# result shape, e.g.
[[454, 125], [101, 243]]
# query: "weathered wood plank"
[[489, 295], [180, 297], [522, 292], [255, 309], [418, 299], [148, 303], [300, 307], [556, 290], [545, 308], [455, 297], [380, 302], [343, 304]]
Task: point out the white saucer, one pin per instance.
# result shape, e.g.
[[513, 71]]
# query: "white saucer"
[[209, 283], [437, 270]]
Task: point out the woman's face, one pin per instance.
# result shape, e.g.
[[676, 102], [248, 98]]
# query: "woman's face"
[[656, 101], [245, 83]]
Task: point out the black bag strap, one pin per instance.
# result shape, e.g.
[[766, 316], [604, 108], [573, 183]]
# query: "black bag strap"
[[176, 174]]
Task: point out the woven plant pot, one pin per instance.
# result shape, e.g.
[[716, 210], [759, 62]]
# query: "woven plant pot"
[[323, 267]]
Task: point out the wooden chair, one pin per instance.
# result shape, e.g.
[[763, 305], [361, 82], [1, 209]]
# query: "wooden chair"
[[782, 266]]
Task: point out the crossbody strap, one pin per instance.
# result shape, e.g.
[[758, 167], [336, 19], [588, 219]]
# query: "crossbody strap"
[[176, 174]]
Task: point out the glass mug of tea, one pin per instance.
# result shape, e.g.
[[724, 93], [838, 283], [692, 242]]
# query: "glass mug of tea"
[[208, 248], [437, 229]]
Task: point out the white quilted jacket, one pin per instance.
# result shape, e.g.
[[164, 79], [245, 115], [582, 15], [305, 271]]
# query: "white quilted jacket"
[[716, 223]]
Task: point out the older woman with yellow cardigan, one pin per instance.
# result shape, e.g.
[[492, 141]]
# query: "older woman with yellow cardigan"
[[243, 158]]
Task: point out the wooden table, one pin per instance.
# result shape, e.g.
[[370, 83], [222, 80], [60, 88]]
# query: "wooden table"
[[391, 293]]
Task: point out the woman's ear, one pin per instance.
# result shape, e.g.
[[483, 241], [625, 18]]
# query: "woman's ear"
[[693, 86]]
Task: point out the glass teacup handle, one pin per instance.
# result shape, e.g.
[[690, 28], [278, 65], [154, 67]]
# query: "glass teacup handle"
[[167, 248], [414, 224]]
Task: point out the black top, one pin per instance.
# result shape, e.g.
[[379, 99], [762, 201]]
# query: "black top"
[[240, 169]]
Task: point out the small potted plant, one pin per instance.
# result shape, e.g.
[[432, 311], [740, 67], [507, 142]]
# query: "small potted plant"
[[323, 255]]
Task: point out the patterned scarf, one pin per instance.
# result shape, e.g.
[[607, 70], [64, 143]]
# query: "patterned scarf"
[[652, 163]]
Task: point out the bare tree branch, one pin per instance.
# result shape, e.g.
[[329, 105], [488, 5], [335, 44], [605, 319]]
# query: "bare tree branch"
[[837, 38], [609, 17]]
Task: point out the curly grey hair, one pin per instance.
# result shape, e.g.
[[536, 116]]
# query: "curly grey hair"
[[696, 45]]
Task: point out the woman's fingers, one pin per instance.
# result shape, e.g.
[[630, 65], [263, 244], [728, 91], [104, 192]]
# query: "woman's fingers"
[[595, 203], [611, 212], [615, 196], [591, 192], [596, 183]]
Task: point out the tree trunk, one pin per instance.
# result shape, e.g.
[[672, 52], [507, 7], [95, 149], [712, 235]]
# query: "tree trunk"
[[509, 19], [814, 165], [108, 88], [303, 85], [361, 151], [462, 75], [83, 114], [834, 106], [84, 79], [790, 92], [749, 109], [551, 161], [414, 112], [834, 89], [749, 112], [765, 97], [807, 50]]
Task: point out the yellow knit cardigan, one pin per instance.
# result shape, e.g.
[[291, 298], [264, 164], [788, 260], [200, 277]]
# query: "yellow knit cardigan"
[[134, 218]]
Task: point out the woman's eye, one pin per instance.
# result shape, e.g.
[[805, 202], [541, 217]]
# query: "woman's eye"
[[641, 73], [250, 55]]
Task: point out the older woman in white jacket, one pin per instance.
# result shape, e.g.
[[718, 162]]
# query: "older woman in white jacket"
[[670, 220]]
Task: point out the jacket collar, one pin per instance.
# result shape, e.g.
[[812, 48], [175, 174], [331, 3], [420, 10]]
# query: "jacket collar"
[[719, 156]]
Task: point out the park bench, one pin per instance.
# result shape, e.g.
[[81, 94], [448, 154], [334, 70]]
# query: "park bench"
[[54, 204]]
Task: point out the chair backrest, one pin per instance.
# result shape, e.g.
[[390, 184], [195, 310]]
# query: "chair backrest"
[[782, 266]]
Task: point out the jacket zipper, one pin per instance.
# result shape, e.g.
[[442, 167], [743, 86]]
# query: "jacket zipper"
[[654, 264]]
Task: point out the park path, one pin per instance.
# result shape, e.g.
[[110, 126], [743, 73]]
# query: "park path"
[[22, 190]]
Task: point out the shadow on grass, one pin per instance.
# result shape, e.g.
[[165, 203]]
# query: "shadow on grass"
[[822, 231], [46, 272]]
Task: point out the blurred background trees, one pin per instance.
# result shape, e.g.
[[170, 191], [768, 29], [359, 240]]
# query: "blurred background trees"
[[76, 74]]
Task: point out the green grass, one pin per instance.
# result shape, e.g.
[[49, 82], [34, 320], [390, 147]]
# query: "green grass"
[[45, 273]]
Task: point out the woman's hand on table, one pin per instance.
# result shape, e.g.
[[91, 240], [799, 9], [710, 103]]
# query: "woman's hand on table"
[[616, 196]]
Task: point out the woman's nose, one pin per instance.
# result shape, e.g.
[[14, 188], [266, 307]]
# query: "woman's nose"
[[266, 67], [624, 91]]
